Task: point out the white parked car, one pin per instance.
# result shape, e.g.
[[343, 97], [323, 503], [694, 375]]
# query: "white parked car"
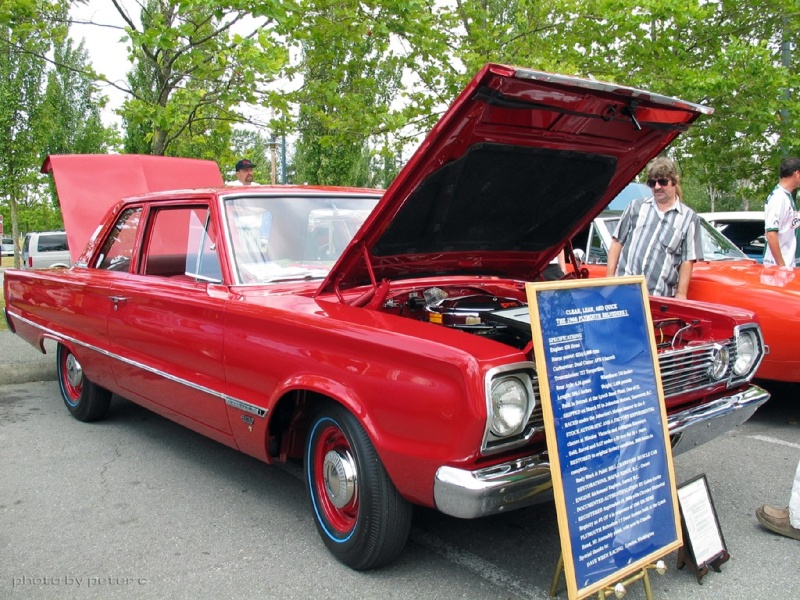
[[45, 249], [6, 246], [745, 228]]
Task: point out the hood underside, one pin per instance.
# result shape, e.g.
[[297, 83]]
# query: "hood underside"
[[516, 166]]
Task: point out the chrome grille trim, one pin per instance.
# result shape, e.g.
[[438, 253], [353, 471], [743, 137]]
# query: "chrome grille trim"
[[682, 371], [687, 369]]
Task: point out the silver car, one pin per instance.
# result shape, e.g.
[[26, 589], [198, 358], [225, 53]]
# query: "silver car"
[[45, 249]]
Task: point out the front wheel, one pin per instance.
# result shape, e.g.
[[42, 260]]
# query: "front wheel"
[[84, 400], [359, 514]]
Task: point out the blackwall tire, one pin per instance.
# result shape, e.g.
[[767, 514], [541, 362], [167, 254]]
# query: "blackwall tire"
[[359, 514], [84, 400]]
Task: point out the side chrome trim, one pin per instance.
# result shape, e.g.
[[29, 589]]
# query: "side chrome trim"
[[245, 406], [229, 400]]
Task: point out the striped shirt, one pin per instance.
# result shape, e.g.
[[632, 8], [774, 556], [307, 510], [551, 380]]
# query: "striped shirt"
[[654, 244]]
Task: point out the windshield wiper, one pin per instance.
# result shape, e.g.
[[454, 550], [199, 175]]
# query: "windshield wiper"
[[307, 276]]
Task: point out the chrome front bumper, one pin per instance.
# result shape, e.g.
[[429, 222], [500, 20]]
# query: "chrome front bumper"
[[526, 481], [696, 426]]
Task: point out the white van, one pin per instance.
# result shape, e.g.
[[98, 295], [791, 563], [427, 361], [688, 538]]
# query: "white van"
[[6, 246], [44, 249]]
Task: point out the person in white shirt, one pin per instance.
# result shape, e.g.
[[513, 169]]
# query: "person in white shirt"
[[781, 218], [244, 173]]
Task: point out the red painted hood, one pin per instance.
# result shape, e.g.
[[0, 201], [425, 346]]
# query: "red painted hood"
[[519, 163], [88, 185]]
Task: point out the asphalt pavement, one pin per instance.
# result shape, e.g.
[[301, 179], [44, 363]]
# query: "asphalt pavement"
[[22, 363]]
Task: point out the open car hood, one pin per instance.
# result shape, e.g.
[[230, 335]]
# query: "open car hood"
[[519, 163], [88, 185]]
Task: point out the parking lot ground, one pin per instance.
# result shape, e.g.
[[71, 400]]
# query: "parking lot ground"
[[138, 507]]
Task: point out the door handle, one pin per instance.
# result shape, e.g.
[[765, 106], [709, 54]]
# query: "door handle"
[[117, 300]]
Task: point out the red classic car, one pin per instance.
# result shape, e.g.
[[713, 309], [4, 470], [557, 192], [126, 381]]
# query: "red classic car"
[[726, 275], [351, 333]]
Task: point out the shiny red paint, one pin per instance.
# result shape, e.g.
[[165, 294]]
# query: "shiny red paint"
[[578, 124]]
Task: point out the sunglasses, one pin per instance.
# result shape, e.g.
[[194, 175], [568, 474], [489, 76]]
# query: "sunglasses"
[[663, 182]]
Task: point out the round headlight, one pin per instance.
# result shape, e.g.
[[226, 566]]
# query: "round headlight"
[[746, 353], [720, 359], [509, 406]]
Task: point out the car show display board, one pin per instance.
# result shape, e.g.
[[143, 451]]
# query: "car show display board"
[[606, 427]]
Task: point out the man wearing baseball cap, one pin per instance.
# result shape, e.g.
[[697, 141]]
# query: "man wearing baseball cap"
[[244, 173]]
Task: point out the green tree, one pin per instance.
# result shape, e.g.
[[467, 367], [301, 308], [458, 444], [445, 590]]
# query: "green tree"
[[196, 63], [69, 120], [353, 101], [23, 44], [72, 105]]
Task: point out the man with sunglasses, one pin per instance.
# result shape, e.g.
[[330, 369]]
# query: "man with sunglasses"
[[781, 219], [658, 237]]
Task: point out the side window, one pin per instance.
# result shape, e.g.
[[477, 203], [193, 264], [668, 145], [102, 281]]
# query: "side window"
[[53, 242], [182, 242], [202, 258], [117, 251]]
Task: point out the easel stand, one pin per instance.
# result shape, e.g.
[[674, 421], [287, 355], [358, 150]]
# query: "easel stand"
[[620, 588], [686, 559]]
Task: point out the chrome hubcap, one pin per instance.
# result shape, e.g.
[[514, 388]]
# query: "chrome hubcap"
[[340, 478], [74, 371]]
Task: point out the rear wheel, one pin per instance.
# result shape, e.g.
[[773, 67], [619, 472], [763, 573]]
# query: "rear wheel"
[[84, 400], [359, 514]]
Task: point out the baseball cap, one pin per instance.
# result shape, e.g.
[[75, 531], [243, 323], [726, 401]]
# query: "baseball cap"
[[244, 164]]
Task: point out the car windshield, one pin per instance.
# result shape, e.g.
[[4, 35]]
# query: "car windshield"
[[285, 238], [715, 245]]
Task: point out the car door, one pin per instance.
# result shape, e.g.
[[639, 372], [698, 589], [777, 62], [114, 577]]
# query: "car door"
[[166, 324]]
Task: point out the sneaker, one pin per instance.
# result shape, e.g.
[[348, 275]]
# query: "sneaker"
[[777, 520]]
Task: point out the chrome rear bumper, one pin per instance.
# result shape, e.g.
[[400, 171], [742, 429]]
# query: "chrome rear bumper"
[[526, 481]]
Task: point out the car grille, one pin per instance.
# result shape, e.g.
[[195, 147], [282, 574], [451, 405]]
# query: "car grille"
[[682, 371], [687, 369]]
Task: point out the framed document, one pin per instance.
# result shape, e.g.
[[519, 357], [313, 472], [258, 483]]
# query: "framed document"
[[703, 541], [606, 426]]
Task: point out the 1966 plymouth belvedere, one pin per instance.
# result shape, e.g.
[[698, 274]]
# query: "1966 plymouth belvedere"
[[351, 332]]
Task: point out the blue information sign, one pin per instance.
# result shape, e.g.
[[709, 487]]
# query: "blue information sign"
[[607, 432]]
